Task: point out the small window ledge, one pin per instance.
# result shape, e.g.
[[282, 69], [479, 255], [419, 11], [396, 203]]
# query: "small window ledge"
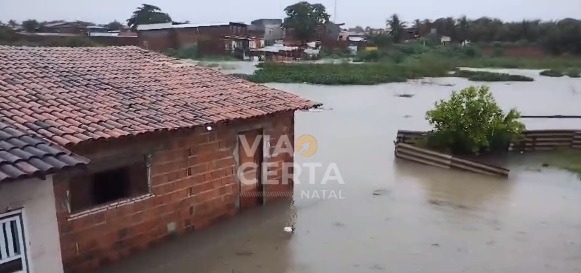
[[109, 206]]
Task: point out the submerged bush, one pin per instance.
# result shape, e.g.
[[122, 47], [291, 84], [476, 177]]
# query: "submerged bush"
[[552, 73], [340, 74], [471, 121], [574, 73], [483, 76]]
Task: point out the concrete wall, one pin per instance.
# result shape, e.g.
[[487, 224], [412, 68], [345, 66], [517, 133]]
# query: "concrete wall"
[[36, 197], [177, 38], [193, 183], [273, 33]]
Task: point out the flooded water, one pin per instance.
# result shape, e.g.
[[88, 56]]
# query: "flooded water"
[[388, 215]]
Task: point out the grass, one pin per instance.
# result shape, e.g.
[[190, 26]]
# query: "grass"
[[482, 76], [552, 73], [345, 73], [523, 63], [572, 72], [369, 73], [567, 159]]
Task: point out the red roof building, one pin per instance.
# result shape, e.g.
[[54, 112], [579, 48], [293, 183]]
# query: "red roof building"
[[133, 147]]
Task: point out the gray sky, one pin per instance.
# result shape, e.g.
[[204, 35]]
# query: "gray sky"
[[352, 12]]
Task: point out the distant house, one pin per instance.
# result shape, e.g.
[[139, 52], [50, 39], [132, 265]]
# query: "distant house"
[[270, 30], [106, 151], [445, 40], [62, 27], [210, 39], [331, 31], [411, 33]]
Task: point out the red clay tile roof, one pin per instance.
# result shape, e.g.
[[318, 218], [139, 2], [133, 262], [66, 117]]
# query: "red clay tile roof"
[[25, 155], [72, 95]]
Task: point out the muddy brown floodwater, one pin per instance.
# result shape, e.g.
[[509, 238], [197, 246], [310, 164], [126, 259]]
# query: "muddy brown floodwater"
[[389, 215]]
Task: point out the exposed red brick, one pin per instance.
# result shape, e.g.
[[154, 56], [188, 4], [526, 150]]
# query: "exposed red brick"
[[191, 202]]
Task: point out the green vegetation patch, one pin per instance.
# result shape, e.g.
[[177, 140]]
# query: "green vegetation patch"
[[483, 76], [572, 72], [349, 73], [552, 73], [471, 122], [567, 159]]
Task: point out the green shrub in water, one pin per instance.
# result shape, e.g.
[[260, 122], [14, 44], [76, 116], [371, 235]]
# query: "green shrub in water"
[[574, 72], [471, 121], [552, 73], [483, 76]]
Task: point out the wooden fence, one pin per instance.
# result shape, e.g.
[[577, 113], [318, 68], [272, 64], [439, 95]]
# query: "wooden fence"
[[533, 140], [542, 140], [410, 137], [437, 159]]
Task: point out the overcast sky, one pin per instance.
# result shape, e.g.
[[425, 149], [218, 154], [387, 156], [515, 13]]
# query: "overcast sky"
[[352, 12]]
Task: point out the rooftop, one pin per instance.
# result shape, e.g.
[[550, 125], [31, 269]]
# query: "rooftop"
[[25, 155], [73, 95], [189, 25]]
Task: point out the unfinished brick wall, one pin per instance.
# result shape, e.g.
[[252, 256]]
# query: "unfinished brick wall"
[[157, 40], [193, 183]]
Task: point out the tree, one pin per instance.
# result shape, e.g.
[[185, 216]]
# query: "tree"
[[7, 34], [12, 23], [396, 28], [304, 18], [115, 25], [147, 14], [418, 24], [30, 25], [463, 26], [471, 122]]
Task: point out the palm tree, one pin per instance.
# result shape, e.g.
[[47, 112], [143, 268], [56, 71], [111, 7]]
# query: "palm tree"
[[463, 25], [427, 27], [396, 28]]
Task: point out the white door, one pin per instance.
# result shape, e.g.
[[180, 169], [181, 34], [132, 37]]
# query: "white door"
[[12, 247]]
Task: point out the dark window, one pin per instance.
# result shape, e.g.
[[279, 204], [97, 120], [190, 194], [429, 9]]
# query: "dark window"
[[110, 185]]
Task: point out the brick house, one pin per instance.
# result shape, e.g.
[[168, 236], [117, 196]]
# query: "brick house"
[[211, 39], [161, 141]]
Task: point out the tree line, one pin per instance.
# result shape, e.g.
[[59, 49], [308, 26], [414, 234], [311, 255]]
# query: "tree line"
[[557, 37]]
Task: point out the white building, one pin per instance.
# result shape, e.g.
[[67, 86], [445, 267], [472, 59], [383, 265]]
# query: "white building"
[[29, 235]]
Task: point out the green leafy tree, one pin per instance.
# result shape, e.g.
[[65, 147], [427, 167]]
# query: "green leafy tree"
[[30, 25], [304, 18], [471, 121], [115, 25], [147, 14], [396, 28]]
